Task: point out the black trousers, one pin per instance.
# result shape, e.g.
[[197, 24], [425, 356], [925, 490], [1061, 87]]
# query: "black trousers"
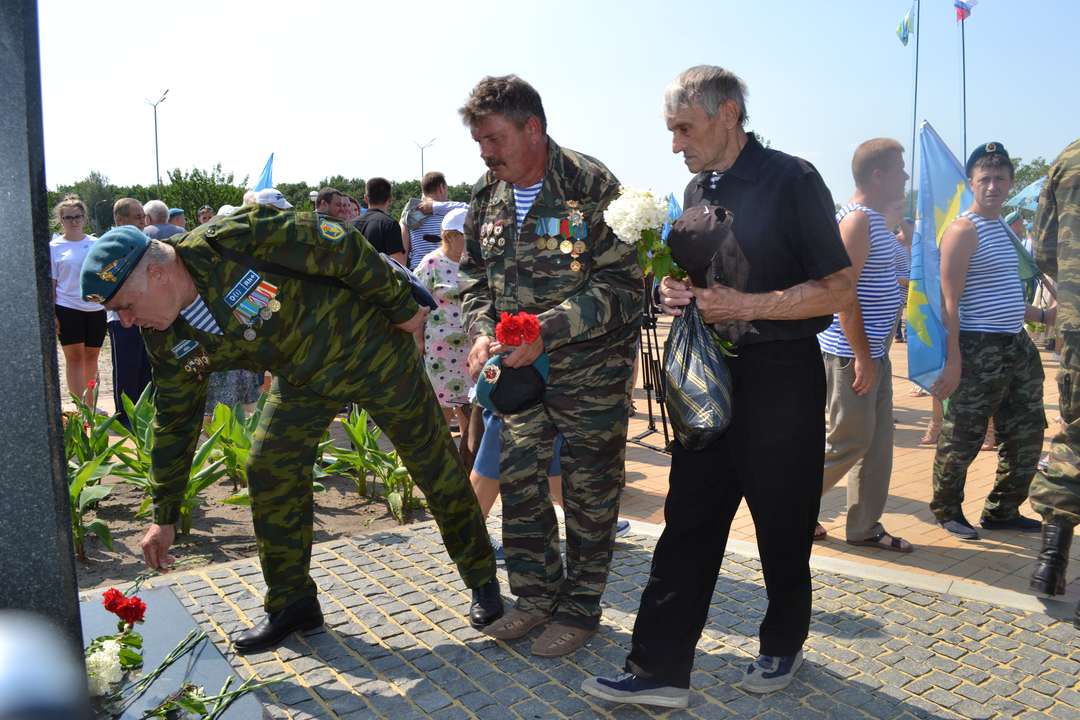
[[130, 364], [772, 454]]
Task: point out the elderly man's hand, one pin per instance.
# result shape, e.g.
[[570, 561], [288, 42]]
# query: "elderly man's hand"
[[426, 206], [478, 355], [720, 303], [155, 546], [674, 295], [416, 322], [521, 355]]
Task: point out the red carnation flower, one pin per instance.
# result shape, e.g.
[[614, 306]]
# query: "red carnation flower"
[[530, 327], [132, 611], [91, 384], [508, 331], [113, 599]]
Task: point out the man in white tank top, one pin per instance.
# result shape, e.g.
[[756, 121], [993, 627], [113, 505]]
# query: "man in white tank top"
[[992, 369], [855, 348]]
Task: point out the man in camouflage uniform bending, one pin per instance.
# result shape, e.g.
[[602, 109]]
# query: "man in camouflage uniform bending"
[[1055, 492], [536, 242], [311, 300]]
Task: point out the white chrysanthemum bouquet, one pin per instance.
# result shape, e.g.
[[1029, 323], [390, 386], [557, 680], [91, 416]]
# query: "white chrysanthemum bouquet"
[[637, 217]]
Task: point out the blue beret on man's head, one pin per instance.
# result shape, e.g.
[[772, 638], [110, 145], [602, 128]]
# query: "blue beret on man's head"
[[173, 212], [110, 261], [990, 148]]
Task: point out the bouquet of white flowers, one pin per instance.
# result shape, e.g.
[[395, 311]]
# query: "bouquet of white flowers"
[[637, 217]]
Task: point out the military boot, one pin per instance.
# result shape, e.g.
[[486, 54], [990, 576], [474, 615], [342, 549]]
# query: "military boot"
[[302, 615], [1049, 575]]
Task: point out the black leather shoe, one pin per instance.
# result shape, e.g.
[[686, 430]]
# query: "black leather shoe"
[[301, 615], [1049, 575], [487, 604], [1021, 523]]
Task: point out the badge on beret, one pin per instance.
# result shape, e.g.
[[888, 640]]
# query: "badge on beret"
[[991, 147], [331, 231], [105, 273], [95, 298], [491, 373]]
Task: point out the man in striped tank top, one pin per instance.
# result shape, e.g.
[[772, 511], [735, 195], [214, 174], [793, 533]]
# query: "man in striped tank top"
[[992, 369], [1055, 492], [421, 238], [855, 348]]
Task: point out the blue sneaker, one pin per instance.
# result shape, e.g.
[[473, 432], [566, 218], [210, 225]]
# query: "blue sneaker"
[[622, 527], [631, 689], [770, 673], [500, 556]]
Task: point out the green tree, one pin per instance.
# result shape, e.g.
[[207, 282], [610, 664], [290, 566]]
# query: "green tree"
[[196, 188], [298, 194], [353, 187], [1028, 172]]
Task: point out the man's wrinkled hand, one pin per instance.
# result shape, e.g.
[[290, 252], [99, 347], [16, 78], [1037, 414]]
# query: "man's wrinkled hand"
[[674, 295], [478, 355], [521, 355], [426, 206], [155, 546], [416, 322], [720, 304]]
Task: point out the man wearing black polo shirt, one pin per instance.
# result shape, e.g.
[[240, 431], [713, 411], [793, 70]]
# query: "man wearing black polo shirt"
[[773, 452], [379, 228]]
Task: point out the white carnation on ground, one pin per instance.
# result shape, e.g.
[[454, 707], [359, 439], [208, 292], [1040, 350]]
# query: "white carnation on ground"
[[635, 211], [103, 668]]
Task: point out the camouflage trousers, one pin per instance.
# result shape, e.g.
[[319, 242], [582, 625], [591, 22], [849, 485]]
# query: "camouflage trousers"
[[1055, 492], [1001, 377], [592, 416], [402, 403]]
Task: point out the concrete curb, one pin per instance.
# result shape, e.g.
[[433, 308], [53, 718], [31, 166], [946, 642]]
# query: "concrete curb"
[[1057, 609]]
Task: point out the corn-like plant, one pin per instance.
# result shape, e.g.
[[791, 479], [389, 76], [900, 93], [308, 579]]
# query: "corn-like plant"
[[85, 491], [237, 435], [86, 433]]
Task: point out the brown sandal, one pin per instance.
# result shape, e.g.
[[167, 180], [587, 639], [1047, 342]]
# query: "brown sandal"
[[514, 624], [895, 544], [560, 639], [820, 533]]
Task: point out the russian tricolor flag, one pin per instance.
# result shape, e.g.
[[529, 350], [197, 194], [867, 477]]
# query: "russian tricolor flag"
[[963, 9]]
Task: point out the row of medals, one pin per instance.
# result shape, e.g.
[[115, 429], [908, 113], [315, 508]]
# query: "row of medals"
[[491, 238], [265, 313]]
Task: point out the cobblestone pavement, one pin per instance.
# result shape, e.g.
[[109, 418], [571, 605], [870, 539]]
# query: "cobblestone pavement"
[[397, 645]]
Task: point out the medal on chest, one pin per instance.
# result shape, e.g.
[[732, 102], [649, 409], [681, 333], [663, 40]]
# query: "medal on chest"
[[253, 301], [492, 237]]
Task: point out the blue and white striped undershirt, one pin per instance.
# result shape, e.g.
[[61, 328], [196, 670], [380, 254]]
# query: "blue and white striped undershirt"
[[198, 316], [993, 297], [878, 291], [903, 270], [524, 197]]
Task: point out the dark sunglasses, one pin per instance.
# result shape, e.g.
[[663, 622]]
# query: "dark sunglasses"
[[72, 217]]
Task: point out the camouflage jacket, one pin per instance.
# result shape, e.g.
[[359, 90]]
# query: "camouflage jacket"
[[583, 284], [1057, 234], [318, 333]]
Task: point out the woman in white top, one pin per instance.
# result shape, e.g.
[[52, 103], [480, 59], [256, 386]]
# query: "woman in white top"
[[80, 325]]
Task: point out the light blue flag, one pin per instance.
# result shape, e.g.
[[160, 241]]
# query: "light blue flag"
[[674, 212], [266, 180], [943, 193]]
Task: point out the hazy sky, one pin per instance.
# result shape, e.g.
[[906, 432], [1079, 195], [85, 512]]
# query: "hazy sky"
[[347, 87]]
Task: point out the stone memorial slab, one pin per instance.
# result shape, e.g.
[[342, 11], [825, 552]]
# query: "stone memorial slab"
[[167, 622]]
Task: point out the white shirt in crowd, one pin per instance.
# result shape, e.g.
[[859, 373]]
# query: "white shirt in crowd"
[[67, 260]]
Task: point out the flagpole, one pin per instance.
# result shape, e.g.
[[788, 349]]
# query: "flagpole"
[[914, 115], [963, 82]]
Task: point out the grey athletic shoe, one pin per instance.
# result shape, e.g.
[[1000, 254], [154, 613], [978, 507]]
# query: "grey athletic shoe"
[[961, 528], [770, 673]]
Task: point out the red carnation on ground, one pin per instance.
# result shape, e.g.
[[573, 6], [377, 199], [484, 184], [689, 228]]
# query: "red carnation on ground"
[[132, 611], [113, 599], [129, 609], [91, 384]]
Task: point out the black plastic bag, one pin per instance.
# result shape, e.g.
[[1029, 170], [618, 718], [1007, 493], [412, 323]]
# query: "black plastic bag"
[[698, 381]]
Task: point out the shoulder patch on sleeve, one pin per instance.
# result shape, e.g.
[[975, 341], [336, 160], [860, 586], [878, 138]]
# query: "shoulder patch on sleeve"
[[331, 231]]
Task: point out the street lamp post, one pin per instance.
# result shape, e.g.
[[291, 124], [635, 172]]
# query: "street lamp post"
[[157, 164], [314, 197], [423, 147]]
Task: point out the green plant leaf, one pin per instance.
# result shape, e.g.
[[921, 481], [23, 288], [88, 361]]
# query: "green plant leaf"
[[241, 498], [99, 528], [91, 495]]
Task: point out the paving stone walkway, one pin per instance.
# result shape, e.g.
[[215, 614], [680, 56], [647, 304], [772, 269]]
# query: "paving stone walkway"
[[397, 645]]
